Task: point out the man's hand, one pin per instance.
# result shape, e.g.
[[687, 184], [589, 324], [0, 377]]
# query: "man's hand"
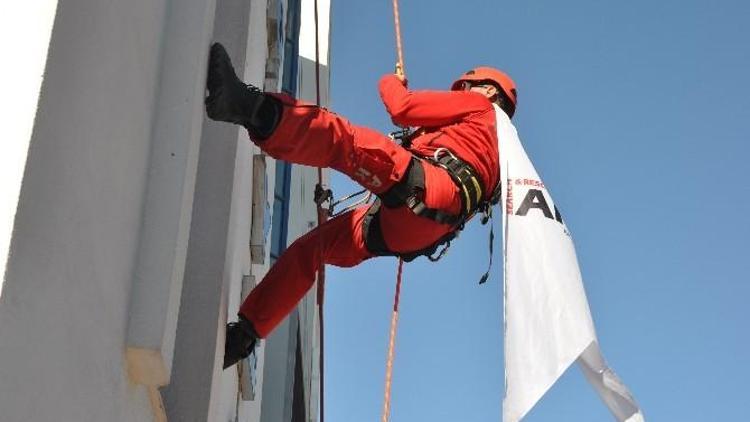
[[400, 73]]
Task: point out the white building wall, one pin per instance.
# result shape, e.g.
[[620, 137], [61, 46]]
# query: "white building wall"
[[65, 302], [114, 199]]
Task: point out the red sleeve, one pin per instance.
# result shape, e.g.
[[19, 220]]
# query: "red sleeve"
[[428, 108]]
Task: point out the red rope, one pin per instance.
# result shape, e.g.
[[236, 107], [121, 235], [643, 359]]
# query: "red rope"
[[322, 217], [399, 47], [394, 316], [391, 347]]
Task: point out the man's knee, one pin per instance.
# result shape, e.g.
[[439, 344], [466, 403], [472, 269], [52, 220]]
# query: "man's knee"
[[267, 118]]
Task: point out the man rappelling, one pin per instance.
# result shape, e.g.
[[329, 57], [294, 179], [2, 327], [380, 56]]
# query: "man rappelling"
[[427, 187]]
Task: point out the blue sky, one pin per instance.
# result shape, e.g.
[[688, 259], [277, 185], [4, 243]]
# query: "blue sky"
[[636, 115]]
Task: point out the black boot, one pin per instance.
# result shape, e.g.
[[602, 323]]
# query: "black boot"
[[231, 100], [241, 339]]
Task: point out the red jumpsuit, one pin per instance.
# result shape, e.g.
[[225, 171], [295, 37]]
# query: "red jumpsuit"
[[461, 121]]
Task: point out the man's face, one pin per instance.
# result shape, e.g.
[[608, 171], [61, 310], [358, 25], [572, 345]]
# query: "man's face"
[[488, 90]]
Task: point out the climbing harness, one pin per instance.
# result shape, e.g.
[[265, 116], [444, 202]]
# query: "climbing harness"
[[410, 191]]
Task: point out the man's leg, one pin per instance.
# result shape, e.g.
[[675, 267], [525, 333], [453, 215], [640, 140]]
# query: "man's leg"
[[338, 241], [303, 133], [317, 137]]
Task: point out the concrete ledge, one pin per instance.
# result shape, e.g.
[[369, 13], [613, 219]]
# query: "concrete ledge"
[[167, 211], [146, 367], [157, 405]]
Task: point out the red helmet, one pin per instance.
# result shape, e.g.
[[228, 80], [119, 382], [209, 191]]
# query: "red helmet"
[[484, 73]]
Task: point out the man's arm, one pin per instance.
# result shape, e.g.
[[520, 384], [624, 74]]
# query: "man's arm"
[[428, 108]]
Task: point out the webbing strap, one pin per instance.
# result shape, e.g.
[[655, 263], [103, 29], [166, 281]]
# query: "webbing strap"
[[467, 180], [410, 190], [375, 243]]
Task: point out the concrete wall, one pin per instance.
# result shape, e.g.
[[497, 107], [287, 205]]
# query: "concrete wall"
[[218, 251], [131, 234], [65, 303], [167, 209]]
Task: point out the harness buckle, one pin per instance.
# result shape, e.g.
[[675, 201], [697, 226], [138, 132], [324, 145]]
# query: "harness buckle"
[[415, 205], [436, 155]]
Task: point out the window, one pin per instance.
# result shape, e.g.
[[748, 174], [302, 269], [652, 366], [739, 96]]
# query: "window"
[[283, 168]]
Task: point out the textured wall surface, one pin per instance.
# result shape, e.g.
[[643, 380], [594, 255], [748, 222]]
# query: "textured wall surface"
[[66, 301], [133, 222], [64, 308]]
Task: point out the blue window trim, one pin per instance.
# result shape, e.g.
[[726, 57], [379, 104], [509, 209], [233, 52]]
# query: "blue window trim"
[[291, 48], [280, 226]]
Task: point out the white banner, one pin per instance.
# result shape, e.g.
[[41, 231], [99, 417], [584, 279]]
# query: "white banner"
[[547, 319]]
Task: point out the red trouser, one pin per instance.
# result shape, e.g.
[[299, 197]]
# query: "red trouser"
[[313, 136]]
